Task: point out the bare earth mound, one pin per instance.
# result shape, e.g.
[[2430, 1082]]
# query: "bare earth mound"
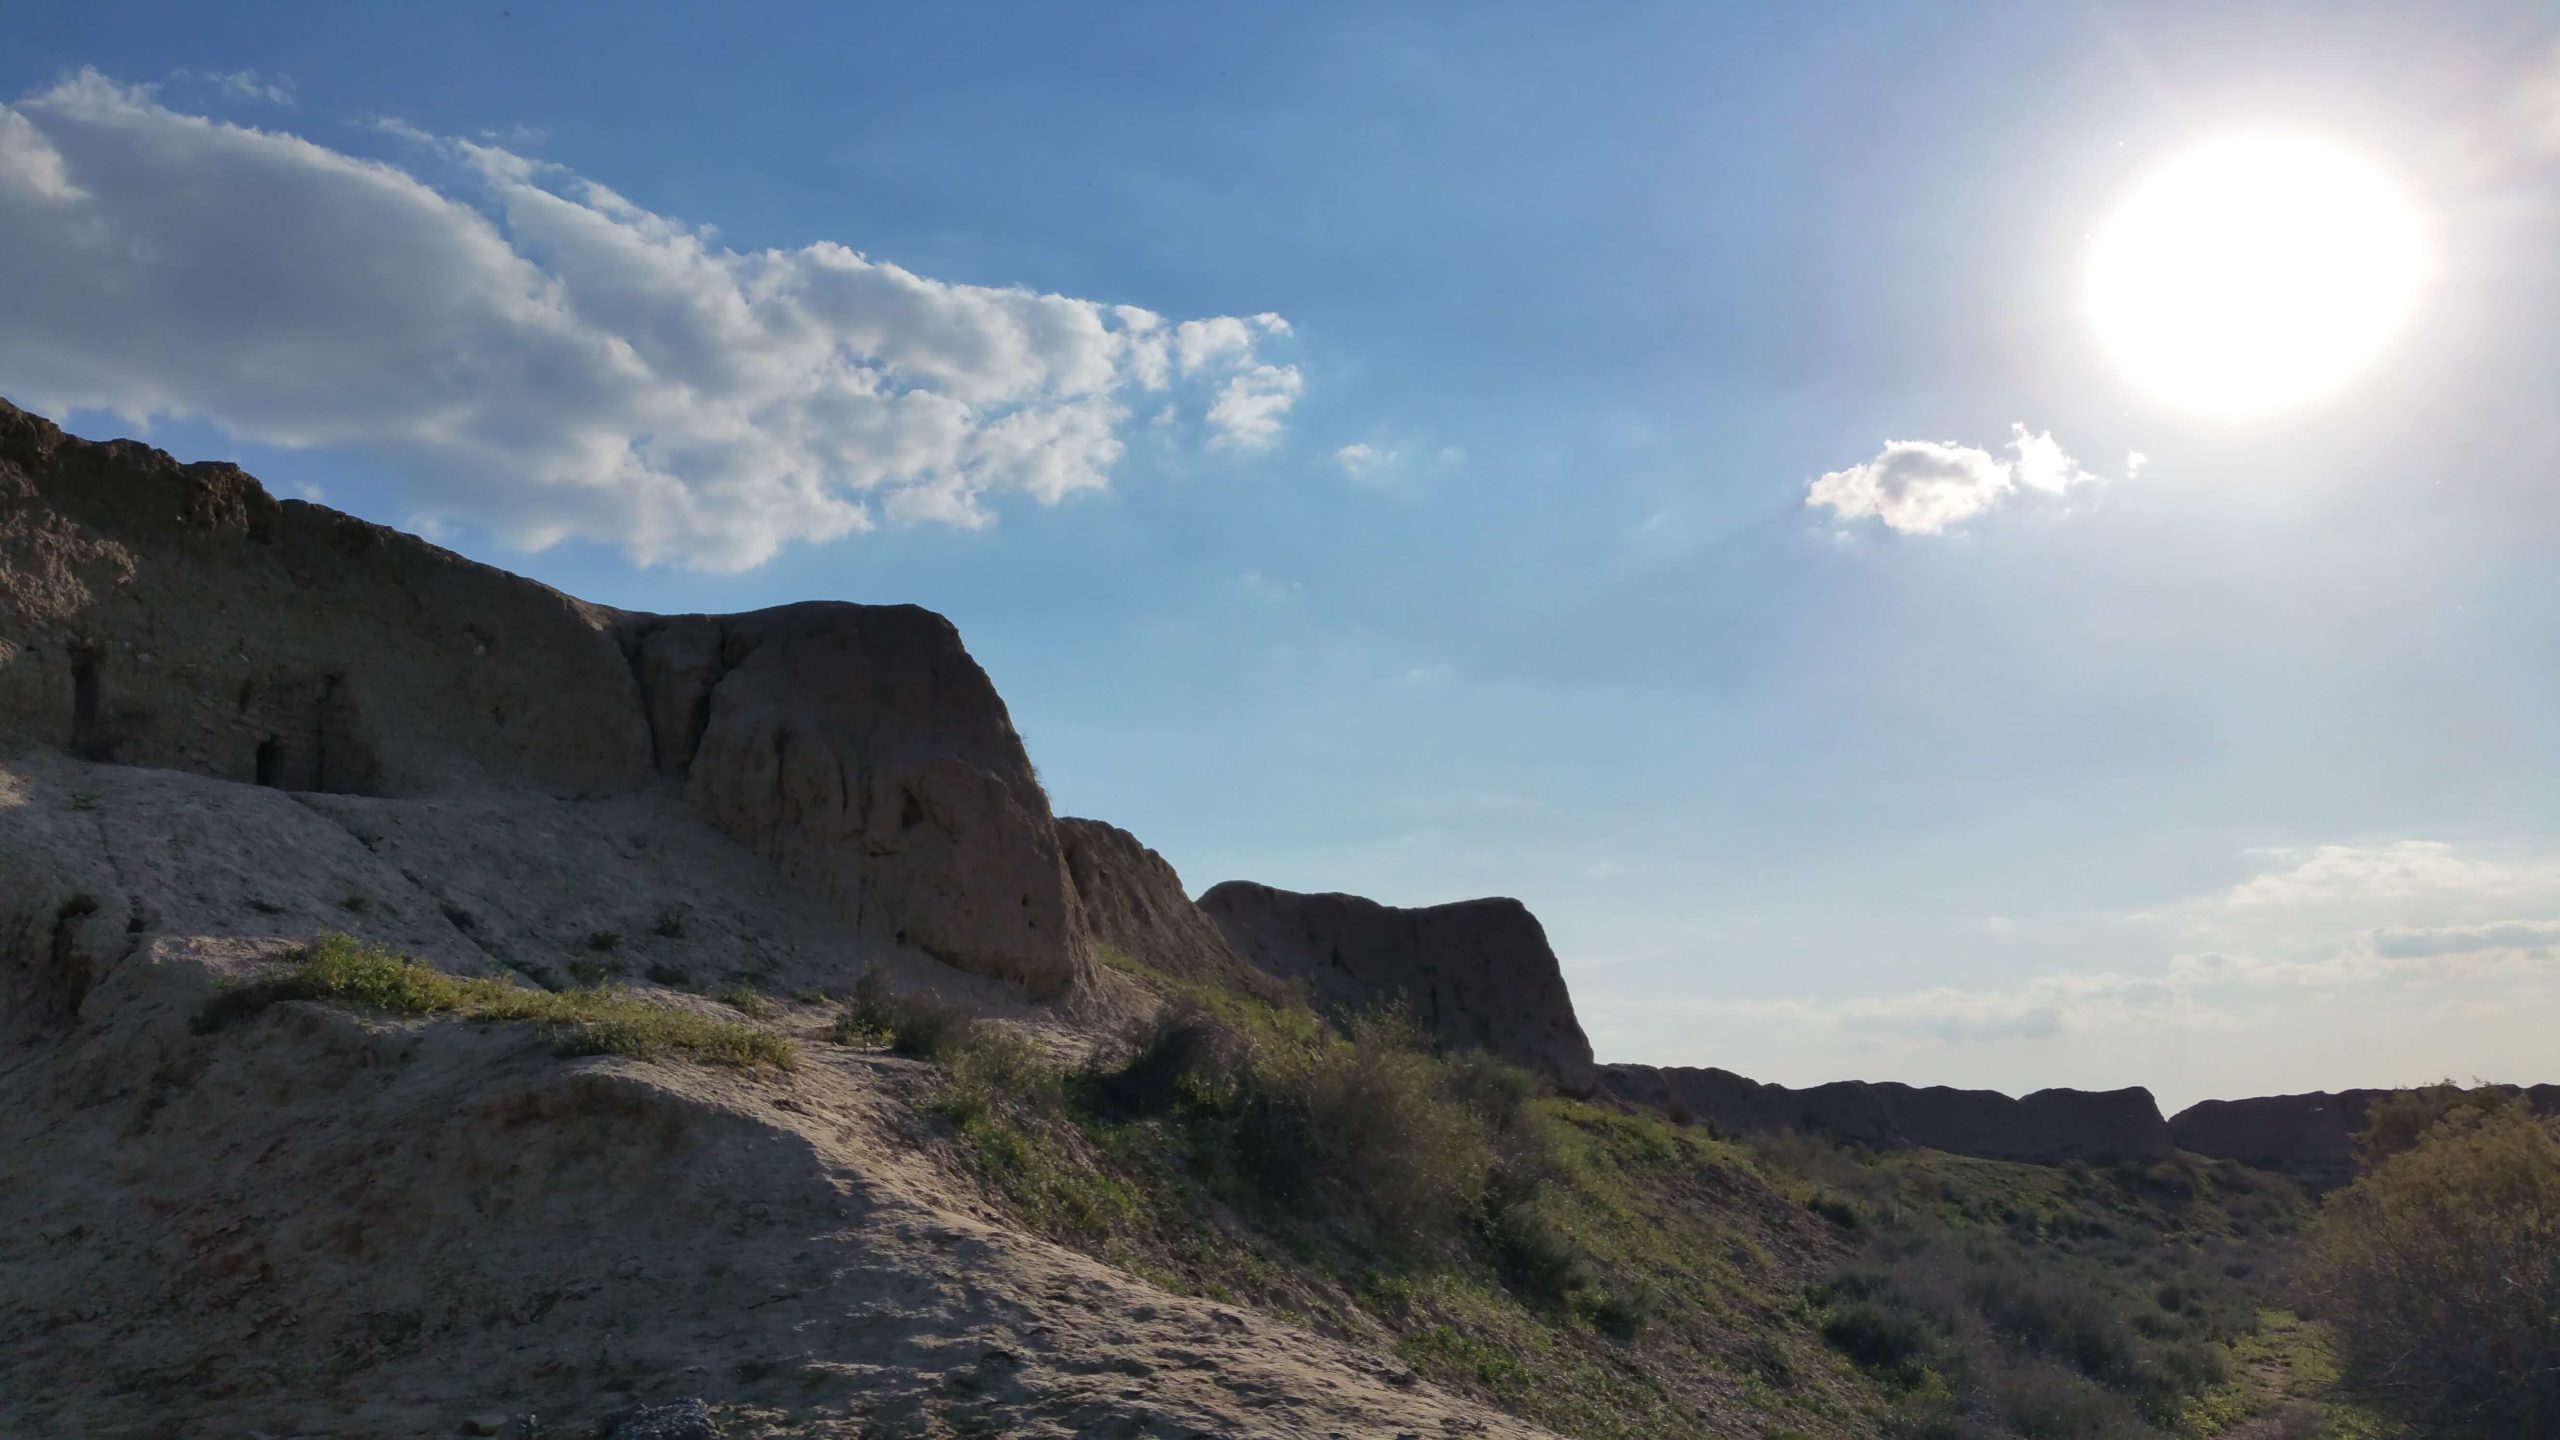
[[315, 1223]]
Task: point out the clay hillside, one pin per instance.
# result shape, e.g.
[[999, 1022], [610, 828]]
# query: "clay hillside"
[[432, 1004]]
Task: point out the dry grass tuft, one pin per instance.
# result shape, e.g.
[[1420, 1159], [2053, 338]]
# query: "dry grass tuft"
[[342, 970]]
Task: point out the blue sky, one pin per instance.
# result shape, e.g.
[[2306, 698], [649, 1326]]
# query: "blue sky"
[[1461, 542]]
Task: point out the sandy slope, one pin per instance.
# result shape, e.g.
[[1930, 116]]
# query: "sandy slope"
[[318, 1224]]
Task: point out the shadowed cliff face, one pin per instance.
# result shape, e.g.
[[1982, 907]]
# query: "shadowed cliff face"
[[178, 616], [2047, 1126], [2310, 1138], [1134, 902], [1477, 974]]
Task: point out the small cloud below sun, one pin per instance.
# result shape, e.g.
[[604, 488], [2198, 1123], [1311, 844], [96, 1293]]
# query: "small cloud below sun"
[[1927, 487]]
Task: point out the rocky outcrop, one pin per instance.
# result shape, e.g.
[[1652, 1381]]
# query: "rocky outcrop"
[[1134, 903], [861, 751], [2047, 1126], [178, 616], [1477, 974], [2310, 1138]]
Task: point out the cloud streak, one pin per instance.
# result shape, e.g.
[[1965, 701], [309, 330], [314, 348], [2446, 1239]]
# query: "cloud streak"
[[539, 355], [2303, 927]]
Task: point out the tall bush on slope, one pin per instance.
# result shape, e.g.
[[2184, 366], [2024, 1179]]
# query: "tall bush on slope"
[[2439, 1271]]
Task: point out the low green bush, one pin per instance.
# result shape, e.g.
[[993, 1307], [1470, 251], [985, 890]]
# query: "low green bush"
[[915, 1023]]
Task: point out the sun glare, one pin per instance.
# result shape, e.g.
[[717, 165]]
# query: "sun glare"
[[2255, 274]]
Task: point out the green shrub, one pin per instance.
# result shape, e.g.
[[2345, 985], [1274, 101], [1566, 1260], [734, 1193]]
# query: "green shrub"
[[1367, 1124], [590, 973], [746, 1000], [1834, 1209], [602, 942], [2398, 1121], [668, 923], [2439, 1272], [1888, 1341], [344, 971], [917, 1023], [1179, 1052]]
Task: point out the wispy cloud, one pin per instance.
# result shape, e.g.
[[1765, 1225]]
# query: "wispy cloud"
[[244, 85], [2305, 924], [1362, 460], [1927, 487], [543, 357]]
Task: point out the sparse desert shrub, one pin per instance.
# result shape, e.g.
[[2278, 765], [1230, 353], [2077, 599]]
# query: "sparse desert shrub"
[[909, 1023], [2399, 1121], [357, 904], [1834, 1209], [1367, 1123], [992, 1070], [1623, 1312], [1885, 1340], [344, 971], [1180, 1051], [1537, 1256], [2439, 1271], [602, 942], [457, 917], [2042, 1401], [1010, 1101], [589, 973], [746, 1001], [668, 923], [672, 976], [2048, 1313], [2018, 1301]]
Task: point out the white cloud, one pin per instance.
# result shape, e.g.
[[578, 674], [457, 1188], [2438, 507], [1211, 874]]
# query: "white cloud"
[[2303, 927], [2538, 102], [1248, 412], [1362, 460], [2042, 465], [2404, 870], [543, 357], [2427, 942], [1926, 487]]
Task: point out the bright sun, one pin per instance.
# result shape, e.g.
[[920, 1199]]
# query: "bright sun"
[[2255, 274]]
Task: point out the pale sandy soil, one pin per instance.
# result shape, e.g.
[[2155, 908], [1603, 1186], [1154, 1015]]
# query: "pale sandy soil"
[[318, 1224]]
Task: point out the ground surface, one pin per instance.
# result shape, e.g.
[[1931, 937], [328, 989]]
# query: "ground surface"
[[318, 1223]]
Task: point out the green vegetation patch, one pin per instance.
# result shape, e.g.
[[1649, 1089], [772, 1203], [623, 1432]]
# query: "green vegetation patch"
[[1582, 1267], [2074, 1301], [342, 970], [2438, 1270]]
